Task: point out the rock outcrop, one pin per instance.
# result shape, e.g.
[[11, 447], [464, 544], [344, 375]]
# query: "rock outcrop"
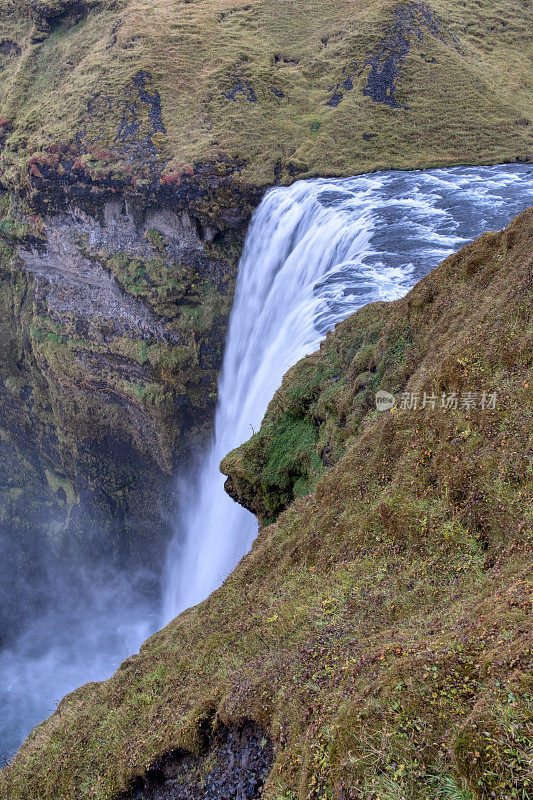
[[235, 763], [49, 14]]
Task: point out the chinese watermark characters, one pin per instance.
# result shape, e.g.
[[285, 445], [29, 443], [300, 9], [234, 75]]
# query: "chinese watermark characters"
[[448, 401]]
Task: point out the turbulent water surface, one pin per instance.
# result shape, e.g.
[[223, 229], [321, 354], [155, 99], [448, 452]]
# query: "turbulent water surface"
[[315, 252]]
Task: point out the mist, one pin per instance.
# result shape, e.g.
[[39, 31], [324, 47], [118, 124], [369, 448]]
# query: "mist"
[[65, 622]]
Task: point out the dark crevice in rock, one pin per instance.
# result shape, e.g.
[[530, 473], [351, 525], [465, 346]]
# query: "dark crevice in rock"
[[48, 14], [199, 230], [114, 34], [281, 60], [9, 48], [234, 766]]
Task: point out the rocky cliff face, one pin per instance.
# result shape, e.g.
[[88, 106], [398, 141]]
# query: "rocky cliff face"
[[114, 313], [377, 631]]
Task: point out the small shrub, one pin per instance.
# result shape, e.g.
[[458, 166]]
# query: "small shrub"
[[174, 178]]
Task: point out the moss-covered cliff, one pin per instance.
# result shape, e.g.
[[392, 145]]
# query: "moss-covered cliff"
[[113, 315], [378, 631]]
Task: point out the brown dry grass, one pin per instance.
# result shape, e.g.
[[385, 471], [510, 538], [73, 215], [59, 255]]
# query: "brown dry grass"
[[466, 102]]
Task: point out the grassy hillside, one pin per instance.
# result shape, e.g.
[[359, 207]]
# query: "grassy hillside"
[[281, 87], [378, 630]]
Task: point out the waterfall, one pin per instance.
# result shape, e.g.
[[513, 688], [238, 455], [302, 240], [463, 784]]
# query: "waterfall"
[[316, 252], [294, 242]]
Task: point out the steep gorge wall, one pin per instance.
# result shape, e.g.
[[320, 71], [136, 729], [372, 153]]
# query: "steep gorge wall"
[[113, 321]]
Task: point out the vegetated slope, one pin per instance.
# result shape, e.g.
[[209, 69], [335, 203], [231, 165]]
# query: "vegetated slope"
[[130, 87], [378, 631]]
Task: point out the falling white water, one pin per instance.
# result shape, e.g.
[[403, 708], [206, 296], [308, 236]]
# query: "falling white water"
[[316, 252]]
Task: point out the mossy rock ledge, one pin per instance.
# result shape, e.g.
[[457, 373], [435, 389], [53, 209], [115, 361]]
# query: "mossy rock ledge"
[[374, 642]]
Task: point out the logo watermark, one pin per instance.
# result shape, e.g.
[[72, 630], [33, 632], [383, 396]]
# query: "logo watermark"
[[449, 401], [384, 401]]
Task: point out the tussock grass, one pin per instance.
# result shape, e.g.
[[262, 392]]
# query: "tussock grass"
[[464, 99]]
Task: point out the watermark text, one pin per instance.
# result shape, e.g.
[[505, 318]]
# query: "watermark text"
[[449, 401]]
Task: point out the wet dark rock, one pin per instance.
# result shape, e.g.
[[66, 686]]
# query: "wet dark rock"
[[141, 99], [240, 87], [114, 34], [335, 99], [234, 766], [346, 84], [212, 195]]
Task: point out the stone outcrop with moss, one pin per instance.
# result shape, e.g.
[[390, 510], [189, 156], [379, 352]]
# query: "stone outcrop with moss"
[[377, 633]]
